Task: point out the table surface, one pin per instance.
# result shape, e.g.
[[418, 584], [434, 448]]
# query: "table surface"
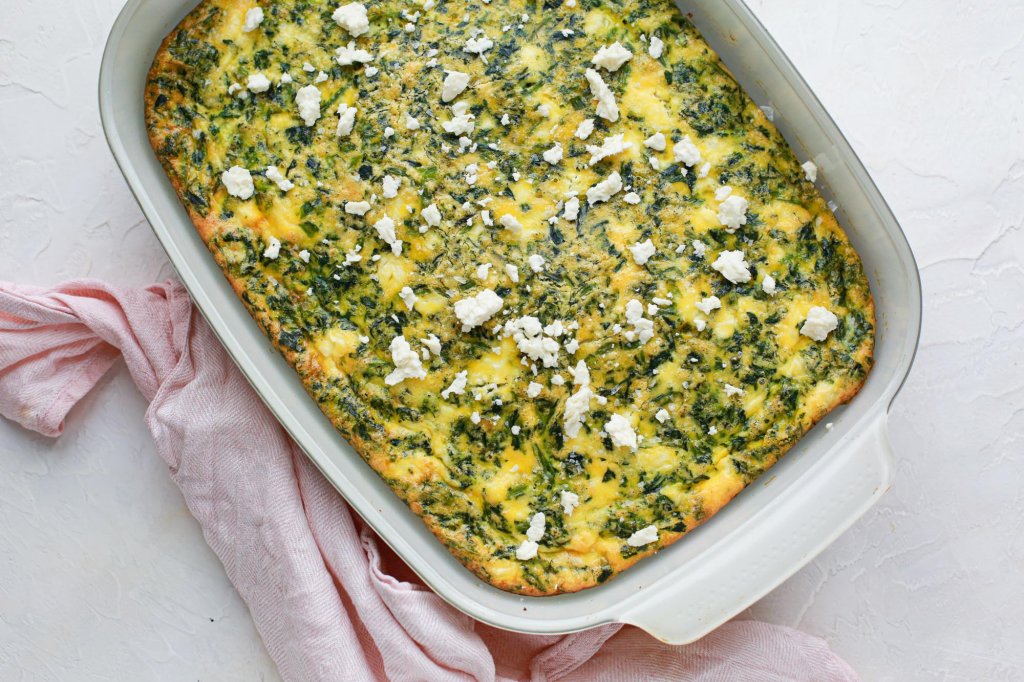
[[103, 571]]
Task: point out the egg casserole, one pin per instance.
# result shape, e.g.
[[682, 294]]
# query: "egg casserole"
[[543, 263]]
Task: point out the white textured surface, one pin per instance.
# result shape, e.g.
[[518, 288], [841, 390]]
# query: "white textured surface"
[[103, 573]]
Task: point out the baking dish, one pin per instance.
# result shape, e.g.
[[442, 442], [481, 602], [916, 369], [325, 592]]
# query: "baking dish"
[[767, 533]]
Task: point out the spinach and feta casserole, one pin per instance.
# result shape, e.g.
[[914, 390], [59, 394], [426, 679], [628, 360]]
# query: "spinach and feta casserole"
[[543, 263]]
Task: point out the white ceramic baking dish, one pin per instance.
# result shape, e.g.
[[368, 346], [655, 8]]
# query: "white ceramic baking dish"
[[765, 535]]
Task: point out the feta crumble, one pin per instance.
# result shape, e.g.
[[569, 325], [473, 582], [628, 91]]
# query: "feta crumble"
[[257, 82], [458, 386], [578, 404], [686, 152], [605, 190], [642, 251], [350, 54], [527, 550], [569, 501], [352, 18], [662, 416], [553, 155], [455, 82], [643, 329], [253, 18], [357, 207], [811, 171], [611, 57], [273, 249], [411, 123], [408, 297], [513, 273], [275, 175], [346, 120], [308, 99], [431, 215], [407, 363], [708, 304], [533, 389], [478, 45], [621, 432], [585, 129], [386, 230], [475, 310], [732, 212], [819, 324], [768, 285], [656, 142], [656, 47], [733, 266], [238, 182], [572, 209], [391, 185], [509, 222], [606, 106], [612, 145], [644, 536], [461, 122], [536, 263]]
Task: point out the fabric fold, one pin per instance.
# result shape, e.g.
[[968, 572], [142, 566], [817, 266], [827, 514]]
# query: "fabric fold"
[[315, 579]]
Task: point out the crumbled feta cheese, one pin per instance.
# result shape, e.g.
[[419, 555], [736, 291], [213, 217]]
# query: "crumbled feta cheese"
[[585, 129], [258, 83], [557, 380], [286, 78], [644, 536], [612, 145], [733, 266], [478, 45], [704, 170], [274, 174], [768, 285], [350, 54], [471, 177], [505, 120], [731, 390], [606, 106], [685, 151], [569, 502], [509, 222], [411, 123], [611, 57], [544, 110], [475, 417], [723, 193], [304, 255], [371, 71], [536, 262], [643, 329], [391, 185], [352, 18], [357, 207], [513, 273], [700, 323], [578, 404], [475, 310], [656, 142], [238, 182], [408, 297], [656, 47], [386, 229], [528, 334], [433, 344], [642, 251], [533, 390], [431, 215], [699, 247], [483, 271], [662, 415], [454, 84], [308, 99], [712, 430], [819, 324], [407, 363], [273, 249], [811, 171], [732, 213], [458, 386], [621, 432], [321, 77], [605, 190], [253, 18], [308, 68], [527, 550], [346, 120], [708, 304], [536, 530], [553, 155], [462, 120], [572, 209], [632, 198]]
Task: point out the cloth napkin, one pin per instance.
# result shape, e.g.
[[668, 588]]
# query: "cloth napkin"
[[329, 600]]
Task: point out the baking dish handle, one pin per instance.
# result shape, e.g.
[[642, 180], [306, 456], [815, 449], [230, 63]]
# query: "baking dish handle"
[[774, 544]]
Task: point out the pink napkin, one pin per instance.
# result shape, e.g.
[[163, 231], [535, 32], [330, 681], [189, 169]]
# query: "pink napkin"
[[329, 600]]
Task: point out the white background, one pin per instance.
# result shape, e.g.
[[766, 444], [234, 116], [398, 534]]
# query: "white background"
[[103, 573]]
